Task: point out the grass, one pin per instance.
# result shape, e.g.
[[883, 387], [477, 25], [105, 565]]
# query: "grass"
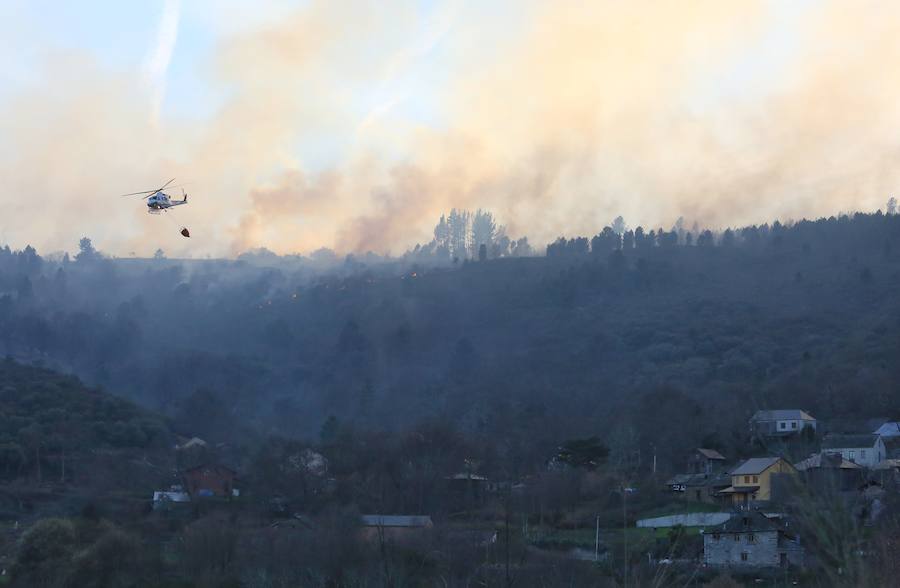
[[585, 537], [564, 538], [645, 533], [676, 508]]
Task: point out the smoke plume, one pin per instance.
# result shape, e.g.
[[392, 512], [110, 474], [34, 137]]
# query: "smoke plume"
[[354, 127]]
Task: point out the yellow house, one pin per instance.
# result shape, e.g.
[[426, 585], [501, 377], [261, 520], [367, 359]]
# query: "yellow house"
[[752, 480]]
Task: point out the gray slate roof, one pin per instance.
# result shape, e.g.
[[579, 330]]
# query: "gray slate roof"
[[815, 461], [710, 453], [849, 441], [755, 465], [396, 521], [792, 414], [747, 522]]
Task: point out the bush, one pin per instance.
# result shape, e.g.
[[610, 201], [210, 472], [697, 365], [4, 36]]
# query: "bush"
[[48, 539], [44, 553]]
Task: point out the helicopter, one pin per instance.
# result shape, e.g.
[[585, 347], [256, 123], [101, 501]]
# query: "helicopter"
[[158, 201]]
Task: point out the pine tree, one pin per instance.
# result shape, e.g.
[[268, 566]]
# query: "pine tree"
[[483, 230]]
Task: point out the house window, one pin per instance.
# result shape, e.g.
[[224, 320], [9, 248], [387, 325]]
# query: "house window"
[[755, 479], [743, 556], [716, 536], [851, 455], [794, 424], [782, 425], [737, 536], [746, 479], [862, 454], [751, 538]]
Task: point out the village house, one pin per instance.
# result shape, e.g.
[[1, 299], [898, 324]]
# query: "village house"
[[752, 539], [210, 480], [706, 461], [889, 431], [700, 487], [830, 472], [752, 481], [780, 423], [705, 478], [866, 450]]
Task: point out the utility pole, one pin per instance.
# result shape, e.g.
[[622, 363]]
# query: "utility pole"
[[625, 534], [597, 541], [506, 525]]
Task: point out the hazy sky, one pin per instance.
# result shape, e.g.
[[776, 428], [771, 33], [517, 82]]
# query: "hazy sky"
[[352, 125]]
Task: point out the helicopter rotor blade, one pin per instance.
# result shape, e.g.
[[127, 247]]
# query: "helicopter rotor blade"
[[138, 193], [151, 192], [176, 186]]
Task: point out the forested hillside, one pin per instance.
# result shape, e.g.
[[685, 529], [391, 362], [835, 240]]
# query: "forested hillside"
[[47, 418], [662, 341]]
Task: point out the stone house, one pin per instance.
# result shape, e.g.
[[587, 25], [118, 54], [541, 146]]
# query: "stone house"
[[751, 539]]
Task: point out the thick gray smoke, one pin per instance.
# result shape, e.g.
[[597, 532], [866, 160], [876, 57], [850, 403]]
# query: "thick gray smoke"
[[555, 116]]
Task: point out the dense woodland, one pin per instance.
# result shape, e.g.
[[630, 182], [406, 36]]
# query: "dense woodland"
[[469, 353], [595, 338]]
